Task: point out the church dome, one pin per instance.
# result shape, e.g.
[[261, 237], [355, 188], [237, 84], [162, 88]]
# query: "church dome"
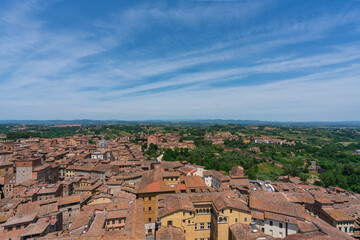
[[102, 144]]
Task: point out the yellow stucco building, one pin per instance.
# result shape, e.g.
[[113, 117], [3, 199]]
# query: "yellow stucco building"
[[153, 183], [202, 216]]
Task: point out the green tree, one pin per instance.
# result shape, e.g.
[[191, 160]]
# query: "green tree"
[[303, 177], [251, 174], [328, 179], [169, 155]]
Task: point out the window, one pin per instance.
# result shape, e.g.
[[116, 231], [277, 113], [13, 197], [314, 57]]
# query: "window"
[[149, 219], [230, 210], [345, 229], [235, 219], [149, 208], [149, 198], [202, 225], [184, 213], [18, 227], [169, 223], [245, 219], [280, 225], [9, 229], [188, 221], [263, 229], [351, 229], [209, 225], [113, 221], [195, 226], [184, 221], [340, 228], [271, 223]]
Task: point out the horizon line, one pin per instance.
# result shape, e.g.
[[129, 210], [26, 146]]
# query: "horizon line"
[[179, 120]]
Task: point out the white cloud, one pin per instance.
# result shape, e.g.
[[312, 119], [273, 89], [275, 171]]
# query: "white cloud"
[[71, 75]]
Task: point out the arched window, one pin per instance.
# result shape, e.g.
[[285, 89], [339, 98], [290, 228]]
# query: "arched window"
[[208, 210], [169, 223], [220, 219]]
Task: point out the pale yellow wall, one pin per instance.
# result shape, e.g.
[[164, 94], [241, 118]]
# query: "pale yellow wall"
[[205, 218], [149, 203], [175, 180], [5, 169], [223, 228], [70, 173], [342, 226], [217, 231], [178, 221]]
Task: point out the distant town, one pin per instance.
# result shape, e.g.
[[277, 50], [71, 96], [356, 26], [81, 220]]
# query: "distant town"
[[165, 181]]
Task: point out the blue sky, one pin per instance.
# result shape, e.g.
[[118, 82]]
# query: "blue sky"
[[291, 60]]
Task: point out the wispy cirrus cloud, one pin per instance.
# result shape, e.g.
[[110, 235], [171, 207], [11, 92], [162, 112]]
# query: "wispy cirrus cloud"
[[179, 60]]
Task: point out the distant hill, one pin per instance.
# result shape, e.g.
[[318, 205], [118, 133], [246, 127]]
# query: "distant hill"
[[197, 122]]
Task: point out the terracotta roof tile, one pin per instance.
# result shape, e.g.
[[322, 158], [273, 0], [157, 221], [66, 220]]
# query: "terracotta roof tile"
[[245, 232], [20, 219], [306, 226], [337, 214], [170, 233], [285, 208], [35, 229]]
